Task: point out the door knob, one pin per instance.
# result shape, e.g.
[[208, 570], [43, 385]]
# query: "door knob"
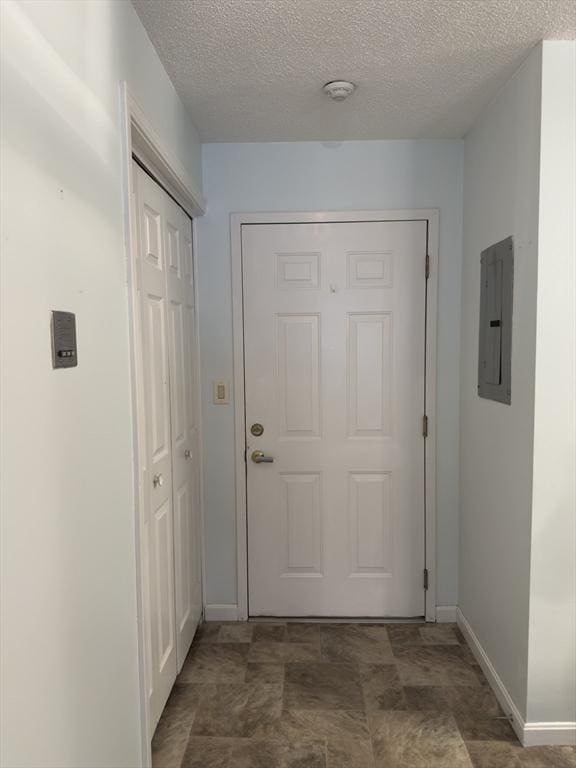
[[258, 457], [157, 480], [187, 453]]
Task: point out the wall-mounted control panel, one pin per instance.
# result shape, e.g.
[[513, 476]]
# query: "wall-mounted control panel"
[[495, 337], [64, 351], [221, 392]]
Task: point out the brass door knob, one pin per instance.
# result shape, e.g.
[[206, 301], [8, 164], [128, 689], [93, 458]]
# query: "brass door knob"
[[258, 457]]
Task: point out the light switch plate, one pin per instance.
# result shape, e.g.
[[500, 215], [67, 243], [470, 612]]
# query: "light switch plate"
[[221, 392]]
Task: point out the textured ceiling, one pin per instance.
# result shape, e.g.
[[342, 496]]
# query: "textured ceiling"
[[252, 70]]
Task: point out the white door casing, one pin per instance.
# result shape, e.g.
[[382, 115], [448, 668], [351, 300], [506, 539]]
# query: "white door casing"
[[334, 346], [170, 528]]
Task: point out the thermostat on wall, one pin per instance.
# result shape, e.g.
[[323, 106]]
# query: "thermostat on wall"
[[64, 352]]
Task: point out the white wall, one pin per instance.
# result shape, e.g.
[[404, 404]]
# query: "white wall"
[[552, 635], [518, 500], [316, 176], [69, 644], [500, 199]]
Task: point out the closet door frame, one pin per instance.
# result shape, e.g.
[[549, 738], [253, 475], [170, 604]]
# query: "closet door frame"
[[141, 141]]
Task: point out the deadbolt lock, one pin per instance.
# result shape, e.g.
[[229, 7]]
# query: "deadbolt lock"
[[257, 430]]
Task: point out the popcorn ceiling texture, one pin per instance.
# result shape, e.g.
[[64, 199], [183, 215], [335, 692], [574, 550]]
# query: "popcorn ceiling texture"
[[252, 70]]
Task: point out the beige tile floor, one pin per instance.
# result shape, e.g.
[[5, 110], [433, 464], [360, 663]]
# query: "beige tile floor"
[[263, 695]]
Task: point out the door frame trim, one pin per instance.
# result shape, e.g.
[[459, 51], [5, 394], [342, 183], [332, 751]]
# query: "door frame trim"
[[237, 220], [140, 138]]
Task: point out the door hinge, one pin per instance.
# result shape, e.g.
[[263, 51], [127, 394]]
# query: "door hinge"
[[427, 268], [425, 578], [425, 426]]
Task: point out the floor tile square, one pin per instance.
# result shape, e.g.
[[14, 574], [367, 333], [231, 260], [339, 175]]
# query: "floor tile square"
[[434, 665], [303, 633], [269, 633], [171, 736], [253, 753], [240, 632], [401, 635], [355, 642], [238, 710], [207, 632], [264, 672], [473, 700], [315, 725], [282, 652], [348, 753], [382, 687], [417, 740], [318, 685], [494, 754], [215, 662], [438, 634], [480, 728], [205, 753]]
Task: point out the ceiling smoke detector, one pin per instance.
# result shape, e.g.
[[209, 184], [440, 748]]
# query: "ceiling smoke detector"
[[339, 89]]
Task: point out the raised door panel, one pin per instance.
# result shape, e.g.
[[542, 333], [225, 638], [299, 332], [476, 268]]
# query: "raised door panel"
[[184, 543], [152, 236], [178, 385], [156, 369], [301, 524], [297, 271], [298, 345], [370, 525], [164, 603], [370, 269], [369, 374]]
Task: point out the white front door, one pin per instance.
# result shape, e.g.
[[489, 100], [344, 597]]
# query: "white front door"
[[334, 324]]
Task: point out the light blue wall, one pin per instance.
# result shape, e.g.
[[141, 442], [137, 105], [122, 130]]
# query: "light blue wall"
[[316, 176]]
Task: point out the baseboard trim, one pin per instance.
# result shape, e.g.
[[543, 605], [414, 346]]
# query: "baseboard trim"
[[549, 734], [446, 614], [530, 734], [215, 612]]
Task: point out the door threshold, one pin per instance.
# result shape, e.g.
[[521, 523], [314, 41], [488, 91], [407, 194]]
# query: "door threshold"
[[335, 620]]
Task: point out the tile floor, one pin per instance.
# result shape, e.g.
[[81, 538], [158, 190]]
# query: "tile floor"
[[263, 695]]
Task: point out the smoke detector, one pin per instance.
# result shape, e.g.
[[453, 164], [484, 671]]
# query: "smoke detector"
[[339, 89]]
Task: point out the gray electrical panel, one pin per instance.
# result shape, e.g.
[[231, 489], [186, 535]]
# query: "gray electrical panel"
[[64, 352], [495, 347]]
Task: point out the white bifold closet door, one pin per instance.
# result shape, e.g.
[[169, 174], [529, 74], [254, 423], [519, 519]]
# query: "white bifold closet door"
[[170, 525]]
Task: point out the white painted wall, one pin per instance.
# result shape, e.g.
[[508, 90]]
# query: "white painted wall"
[[552, 633], [500, 199], [69, 655], [517, 488], [316, 176]]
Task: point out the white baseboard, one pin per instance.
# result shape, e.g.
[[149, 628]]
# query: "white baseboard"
[[446, 614], [530, 734], [539, 734], [215, 612]]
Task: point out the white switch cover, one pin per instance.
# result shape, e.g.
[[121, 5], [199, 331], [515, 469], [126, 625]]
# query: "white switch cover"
[[221, 392]]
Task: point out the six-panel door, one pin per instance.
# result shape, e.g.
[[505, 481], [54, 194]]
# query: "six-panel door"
[[170, 530], [334, 370]]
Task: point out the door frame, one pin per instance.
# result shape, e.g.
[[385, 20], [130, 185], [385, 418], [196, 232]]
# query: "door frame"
[[237, 220], [139, 138]]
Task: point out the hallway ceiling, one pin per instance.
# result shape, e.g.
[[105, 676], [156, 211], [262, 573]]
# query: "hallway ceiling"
[[253, 70]]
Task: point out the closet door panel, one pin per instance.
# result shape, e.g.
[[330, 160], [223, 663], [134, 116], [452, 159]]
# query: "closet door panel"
[[183, 398], [157, 524]]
